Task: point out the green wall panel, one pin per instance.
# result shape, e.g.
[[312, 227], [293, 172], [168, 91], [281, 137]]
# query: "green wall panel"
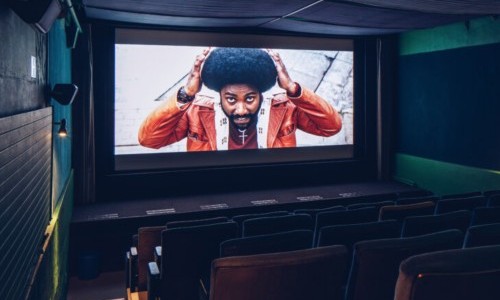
[[474, 33], [444, 178], [434, 54]]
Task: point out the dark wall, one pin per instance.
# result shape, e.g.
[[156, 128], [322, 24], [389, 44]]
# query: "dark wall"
[[20, 93], [25, 202], [19, 41], [451, 105]]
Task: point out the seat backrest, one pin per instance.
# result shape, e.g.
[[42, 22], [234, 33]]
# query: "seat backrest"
[[368, 204], [147, 238], [413, 200], [268, 225], [485, 215], [461, 195], [459, 274], [196, 222], [400, 212], [353, 216], [375, 263], [414, 193], [419, 225], [482, 235], [268, 243], [376, 197], [491, 193], [186, 256], [454, 204], [494, 201], [313, 274], [314, 211], [240, 218], [350, 234]]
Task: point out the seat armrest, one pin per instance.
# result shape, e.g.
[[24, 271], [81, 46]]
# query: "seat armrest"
[[153, 281], [203, 294], [127, 270], [135, 240], [132, 273], [157, 253]]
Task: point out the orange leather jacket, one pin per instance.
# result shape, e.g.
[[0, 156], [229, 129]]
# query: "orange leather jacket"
[[170, 123]]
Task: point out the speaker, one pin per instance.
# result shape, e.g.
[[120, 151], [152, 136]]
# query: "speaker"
[[64, 93], [40, 13]]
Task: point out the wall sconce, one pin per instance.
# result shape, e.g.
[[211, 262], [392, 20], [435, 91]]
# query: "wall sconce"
[[62, 132], [64, 93]]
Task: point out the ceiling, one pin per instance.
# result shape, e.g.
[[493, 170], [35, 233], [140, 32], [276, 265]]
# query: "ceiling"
[[324, 17]]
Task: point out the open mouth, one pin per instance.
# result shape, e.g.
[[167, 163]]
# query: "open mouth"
[[242, 120]]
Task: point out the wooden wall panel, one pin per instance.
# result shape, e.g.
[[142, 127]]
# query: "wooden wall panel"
[[25, 199]]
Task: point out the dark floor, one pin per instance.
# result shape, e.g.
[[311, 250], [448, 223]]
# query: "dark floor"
[[107, 286]]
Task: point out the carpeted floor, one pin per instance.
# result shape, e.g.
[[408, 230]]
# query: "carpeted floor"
[[107, 286]]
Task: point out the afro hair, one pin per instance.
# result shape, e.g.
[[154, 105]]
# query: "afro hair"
[[239, 66]]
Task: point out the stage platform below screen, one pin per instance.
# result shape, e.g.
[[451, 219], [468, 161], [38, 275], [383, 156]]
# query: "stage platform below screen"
[[341, 194]]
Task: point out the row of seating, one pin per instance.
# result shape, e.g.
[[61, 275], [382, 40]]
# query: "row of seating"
[[370, 274], [457, 274], [373, 272], [291, 232], [278, 242], [385, 210]]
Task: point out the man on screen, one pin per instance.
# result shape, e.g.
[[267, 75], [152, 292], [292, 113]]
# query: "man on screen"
[[243, 119]]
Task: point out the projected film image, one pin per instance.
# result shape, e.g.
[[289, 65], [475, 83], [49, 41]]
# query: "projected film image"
[[183, 98]]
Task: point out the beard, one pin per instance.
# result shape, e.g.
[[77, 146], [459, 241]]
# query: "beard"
[[242, 121]]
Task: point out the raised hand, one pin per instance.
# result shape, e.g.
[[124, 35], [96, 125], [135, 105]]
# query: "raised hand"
[[284, 80], [194, 83]]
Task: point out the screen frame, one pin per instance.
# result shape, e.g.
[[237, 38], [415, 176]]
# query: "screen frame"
[[176, 181]]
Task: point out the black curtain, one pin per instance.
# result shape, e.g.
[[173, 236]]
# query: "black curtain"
[[83, 119], [387, 58]]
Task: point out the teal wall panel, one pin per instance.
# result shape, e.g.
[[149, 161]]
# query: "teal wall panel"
[[474, 33], [53, 276], [444, 178], [59, 71]]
